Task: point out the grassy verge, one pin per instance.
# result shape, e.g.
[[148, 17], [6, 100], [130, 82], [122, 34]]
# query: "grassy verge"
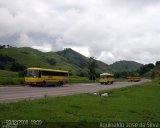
[[5, 73], [11, 81], [10, 78], [133, 104]]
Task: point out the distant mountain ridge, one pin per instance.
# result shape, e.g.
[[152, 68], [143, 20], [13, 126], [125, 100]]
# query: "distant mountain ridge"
[[81, 61], [125, 65]]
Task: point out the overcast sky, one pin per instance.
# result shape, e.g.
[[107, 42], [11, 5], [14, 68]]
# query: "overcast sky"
[[109, 30]]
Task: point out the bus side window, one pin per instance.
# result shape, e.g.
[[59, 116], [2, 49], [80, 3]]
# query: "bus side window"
[[39, 74], [44, 73]]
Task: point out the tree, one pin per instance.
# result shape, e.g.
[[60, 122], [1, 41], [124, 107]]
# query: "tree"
[[92, 65], [145, 68], [80, 73], [2, 66], [5, 58], [8, 46], [153, 74], [17, 67], [158, 63], [2, 46]]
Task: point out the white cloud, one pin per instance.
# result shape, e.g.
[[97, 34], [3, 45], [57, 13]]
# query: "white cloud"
[[44, 47], [81, 49], [24, 41], [109, 30]]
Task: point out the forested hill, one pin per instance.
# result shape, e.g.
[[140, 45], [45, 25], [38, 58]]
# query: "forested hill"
[[74, 57], [79, 60], [125, 65]]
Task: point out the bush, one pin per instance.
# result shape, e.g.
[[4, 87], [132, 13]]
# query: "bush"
[[17, 67], [11, 81], [21, 73]]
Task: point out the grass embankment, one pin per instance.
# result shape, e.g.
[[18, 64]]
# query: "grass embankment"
[[136, 103], [10, 78]]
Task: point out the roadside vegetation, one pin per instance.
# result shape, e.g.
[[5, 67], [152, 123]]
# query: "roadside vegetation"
[[132, 104], [10, 78]]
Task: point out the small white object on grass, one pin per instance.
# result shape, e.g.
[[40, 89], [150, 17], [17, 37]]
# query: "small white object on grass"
[[96, 93], [104, 94]]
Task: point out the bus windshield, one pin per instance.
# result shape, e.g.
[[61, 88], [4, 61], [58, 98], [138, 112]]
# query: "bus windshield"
[[105, 76], [32, 73]]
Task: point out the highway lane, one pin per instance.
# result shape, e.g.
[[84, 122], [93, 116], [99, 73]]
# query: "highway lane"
[[12, 94]]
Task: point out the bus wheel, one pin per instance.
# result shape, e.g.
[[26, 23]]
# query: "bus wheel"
[[60, 83], [43, 84], [106, 83]]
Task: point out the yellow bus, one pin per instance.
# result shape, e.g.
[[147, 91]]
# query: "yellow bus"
[[133, 79], [44, 77], [106, 78]]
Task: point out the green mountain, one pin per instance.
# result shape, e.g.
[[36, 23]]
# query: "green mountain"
[[125, 65], [73, 57], [81, 61]]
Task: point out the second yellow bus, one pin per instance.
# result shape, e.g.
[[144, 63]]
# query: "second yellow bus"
[[106, 78]]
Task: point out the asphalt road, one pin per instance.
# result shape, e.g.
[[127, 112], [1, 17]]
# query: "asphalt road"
[[12, 94]]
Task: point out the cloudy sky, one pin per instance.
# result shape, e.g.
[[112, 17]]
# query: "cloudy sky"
[[109, 30]]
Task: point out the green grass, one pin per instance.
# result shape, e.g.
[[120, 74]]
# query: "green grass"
[[5, 73], [134, 104], [10, 78], [11, 81]]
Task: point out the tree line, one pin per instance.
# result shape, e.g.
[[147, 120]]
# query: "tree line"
[[5, 46], [9, 63]]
